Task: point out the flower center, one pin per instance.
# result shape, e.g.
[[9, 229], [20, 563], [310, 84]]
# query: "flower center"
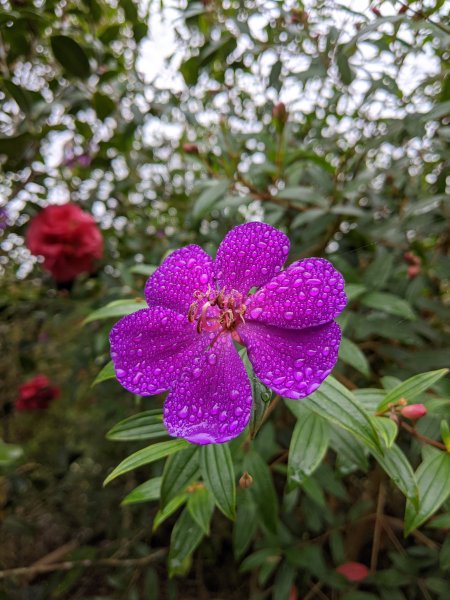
[[218, 311]]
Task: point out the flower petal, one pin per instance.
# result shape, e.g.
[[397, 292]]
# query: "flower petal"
[[182, 273], [150, 347], [309, 292], [211, 402], [292, 363], [250, 255]]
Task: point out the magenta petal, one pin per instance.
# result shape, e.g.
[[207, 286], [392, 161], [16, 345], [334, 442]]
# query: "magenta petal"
[[181, 274], [211, 402], [150, 347], [250, 255], [309, 292], [292, 363]]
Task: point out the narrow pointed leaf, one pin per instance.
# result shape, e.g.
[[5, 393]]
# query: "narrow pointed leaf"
[[412, 387], [387, 429], [118, 308], [146, 492], [106, 373], [143, 426], [186, 536], [218, 474], [146, 456], [433, 480], [308, 445], [262, 490], [201, 506], [180, 470], [336, 403], [164, 513]]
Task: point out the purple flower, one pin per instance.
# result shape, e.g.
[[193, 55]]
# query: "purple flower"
[[197, 307]]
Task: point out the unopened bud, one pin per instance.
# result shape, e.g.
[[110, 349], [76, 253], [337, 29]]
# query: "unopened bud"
[[375, 11], [279, 112], [353, 571], [402, 9], [190, 148], [413, 271], [414, 411], [246, 480]]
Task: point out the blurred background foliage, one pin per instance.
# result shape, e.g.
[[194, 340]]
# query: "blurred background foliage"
[[171, 123]]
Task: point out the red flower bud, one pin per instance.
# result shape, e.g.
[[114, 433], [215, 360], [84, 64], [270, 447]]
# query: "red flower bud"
[[68, 238], [36, 394], [413, 271], [353, 571], [375, 11], [190, 148], [279, 112], [414, 411]]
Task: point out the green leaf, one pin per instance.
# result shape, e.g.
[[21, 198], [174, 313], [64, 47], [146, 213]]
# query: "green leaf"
[[345, 72], [145, 270], [390, 304], [354, 290], [261, 402], [164, 513], [433, 480], [205, 202], [103, 105], [143, 426], [274, 77], [179, 471], [186, 536], [218, 474], [146, 492], [303, 195], [336, 403], [387, 429], [9, 453], [352, 355], [245, 525], [262, 490], [70, 56], [201, 507], [146, 456], [308, 446], [412, 387], [394, 462], [106, 373], [118, 308]]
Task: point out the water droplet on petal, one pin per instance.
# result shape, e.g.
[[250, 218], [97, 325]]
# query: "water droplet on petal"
[[313, 291], [256, 312], [238, 411], [204, 278], [223, 415], [234, 425], [298, 375], [191, 263], [215, 409], [234, 394], [299, 362], [212, 359], [120, 372], [197, 372], [183, 413], [137, 377], [288, 316]]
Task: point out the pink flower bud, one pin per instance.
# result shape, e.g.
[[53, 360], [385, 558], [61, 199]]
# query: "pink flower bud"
[[414, 411], [353, 571]]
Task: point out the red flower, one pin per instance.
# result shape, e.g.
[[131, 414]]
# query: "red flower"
[[68, 238], [353, 571], [36, 394]]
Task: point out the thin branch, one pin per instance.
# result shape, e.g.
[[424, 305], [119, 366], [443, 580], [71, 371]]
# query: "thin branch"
[[71, 564], [421, 437]]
